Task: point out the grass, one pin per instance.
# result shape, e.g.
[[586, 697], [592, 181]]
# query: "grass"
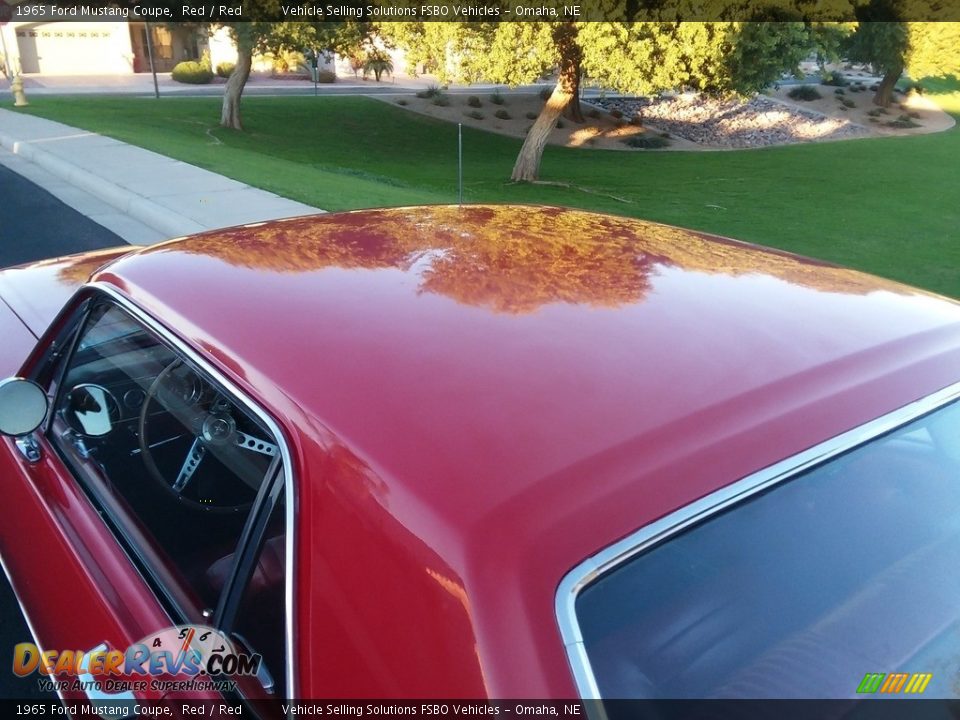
[[879, 205]]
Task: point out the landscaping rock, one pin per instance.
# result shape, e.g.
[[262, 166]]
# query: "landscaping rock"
[[733, 123]]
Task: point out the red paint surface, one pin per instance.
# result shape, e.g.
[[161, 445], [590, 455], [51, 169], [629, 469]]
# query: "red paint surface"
[[477, 399]]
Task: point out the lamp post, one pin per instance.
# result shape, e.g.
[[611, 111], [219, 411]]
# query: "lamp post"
[[153, 69]]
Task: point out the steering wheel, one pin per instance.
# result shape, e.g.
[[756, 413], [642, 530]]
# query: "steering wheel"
[[181, 392]]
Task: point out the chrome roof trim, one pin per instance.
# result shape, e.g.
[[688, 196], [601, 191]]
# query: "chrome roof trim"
[[274, 427], [575, 581]]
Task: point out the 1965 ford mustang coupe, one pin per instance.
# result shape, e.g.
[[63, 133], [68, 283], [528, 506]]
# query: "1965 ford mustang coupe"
[[481, 452]]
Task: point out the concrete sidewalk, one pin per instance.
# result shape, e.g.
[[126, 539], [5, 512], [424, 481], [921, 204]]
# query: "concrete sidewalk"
[[168, 196]]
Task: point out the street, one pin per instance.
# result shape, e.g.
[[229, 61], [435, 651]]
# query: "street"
[[34, 225]]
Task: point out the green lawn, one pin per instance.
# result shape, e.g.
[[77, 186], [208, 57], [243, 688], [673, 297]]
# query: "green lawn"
[[888, 206]]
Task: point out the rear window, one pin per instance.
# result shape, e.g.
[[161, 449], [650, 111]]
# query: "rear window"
[[848, 569]]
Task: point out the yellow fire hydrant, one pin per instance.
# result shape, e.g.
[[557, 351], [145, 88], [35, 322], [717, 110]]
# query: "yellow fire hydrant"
[[19, 97]]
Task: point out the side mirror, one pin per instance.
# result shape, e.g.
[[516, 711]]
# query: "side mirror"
[[23, 406]]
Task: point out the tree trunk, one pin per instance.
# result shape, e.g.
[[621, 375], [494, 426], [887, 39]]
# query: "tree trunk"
[[230, 114], [527, 167], [884, 96], [574, 111]]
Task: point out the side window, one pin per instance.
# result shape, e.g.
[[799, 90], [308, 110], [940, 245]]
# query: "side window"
[[176, 460], [259, 624]]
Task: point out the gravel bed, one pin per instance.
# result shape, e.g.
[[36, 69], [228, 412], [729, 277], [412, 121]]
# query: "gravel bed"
[[758, 122]]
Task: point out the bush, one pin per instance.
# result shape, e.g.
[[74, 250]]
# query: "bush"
[[502, 114], [594, 113], [647, 142], [430, 92], [617, 114], [904, 121], [377, 63], [287, 61], [804, 92], [498, 99], [474, 101], [832, 77], [192, 73], [441, 100], [846, 102], [326, 76], [839, 91], [546, 92], [401, 101], [225, 69], [475, 114], [531, 116], [856, 88]]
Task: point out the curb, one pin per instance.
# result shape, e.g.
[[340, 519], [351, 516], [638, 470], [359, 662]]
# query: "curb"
[[140, 208]]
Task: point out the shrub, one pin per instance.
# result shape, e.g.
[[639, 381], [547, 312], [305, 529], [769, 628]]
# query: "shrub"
[[531, 116], [474, 101], [804, 92], [546, 92], [475, 114], [832, 77], [225, 69], [326, 76], [401, 101], [839, 91], [617, 114], [904, 121], [441, 100], [665, 135], [846, 102], [497, 98], [647, 142], [856, 88], [192, 72], [287, 61], [430, 92], [502, 114], [377, 63], [594, 113]]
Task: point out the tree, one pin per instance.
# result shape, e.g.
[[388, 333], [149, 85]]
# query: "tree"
[[377, 62], [633, 57], [919, 48], [260, 36]]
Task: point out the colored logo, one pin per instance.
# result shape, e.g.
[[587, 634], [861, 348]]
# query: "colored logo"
[[893, 683], [183, 655]]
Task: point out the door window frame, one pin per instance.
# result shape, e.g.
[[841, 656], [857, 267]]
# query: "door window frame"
[[58, 346]]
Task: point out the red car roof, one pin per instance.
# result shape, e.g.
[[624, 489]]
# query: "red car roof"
[[481, 397]]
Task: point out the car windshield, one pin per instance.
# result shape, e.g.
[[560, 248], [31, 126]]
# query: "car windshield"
[[838, 582]]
